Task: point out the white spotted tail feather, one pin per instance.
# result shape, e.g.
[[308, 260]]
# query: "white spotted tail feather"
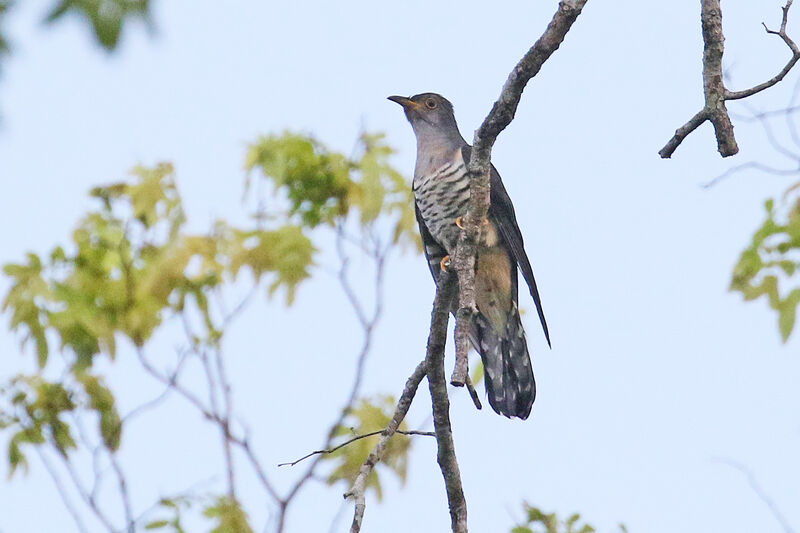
[[507, 369]]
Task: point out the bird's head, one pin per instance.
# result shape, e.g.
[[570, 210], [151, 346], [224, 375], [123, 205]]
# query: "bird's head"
[[430, 114]]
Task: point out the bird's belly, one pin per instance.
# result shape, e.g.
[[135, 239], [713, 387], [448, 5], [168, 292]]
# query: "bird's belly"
[[493, 287]]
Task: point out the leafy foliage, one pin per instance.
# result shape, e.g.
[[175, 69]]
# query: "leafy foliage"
[[175, 507], [133, 263], [766, 267], [40, 408], [368, 416], [323, 186], [131, 266], [228, 515], [225, 513], [105, 16], [539, 522], [4, 6]]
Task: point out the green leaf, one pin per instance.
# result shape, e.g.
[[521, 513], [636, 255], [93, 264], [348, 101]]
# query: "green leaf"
[[477, 373], [769, 263], [228, 515], [536, 520], [286, 252], [316, 182], [102, 400], [157, 524], [105, 16]]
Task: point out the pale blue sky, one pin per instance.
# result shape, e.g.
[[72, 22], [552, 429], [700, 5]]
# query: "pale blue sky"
[[655, 369]]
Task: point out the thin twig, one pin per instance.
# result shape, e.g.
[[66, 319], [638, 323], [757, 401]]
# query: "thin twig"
[[354, 439], [771, 138], [227, 401], [368, 324], [62, 490], [736, 95], [150, 404], [242, 442], [473, 393], [358, 490], [763, 496], [87, 498], [751, 165], [122, 483]]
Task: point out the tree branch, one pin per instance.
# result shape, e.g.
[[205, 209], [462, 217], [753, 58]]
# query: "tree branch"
[[354, 439], [714, 89], [62, 490], [357, 491], [762, 495], [446, 454], [378, 254], [736, 95], [499, 118]]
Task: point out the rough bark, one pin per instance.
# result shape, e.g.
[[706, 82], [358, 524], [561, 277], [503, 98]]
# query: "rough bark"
[[446, 454], [499, 118], [714, 90]]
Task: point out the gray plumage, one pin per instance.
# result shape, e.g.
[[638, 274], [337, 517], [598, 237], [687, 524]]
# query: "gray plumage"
[[441, 192]]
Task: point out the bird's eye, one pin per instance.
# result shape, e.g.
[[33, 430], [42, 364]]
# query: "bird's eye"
[[431, 103]]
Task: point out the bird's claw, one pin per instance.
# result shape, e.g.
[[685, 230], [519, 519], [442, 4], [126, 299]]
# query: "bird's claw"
[[460, 222], [444, 263]]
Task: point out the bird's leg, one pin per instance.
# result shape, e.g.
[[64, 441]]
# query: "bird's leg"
[[460, 222], [444, 263]]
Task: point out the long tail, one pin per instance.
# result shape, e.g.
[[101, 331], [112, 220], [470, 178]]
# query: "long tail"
[[507, 366]]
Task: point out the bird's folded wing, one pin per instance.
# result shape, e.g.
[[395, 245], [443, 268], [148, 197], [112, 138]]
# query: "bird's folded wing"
[[501, 212]]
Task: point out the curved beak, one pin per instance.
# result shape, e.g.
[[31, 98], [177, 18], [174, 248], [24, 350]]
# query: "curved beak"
[[407, 103]]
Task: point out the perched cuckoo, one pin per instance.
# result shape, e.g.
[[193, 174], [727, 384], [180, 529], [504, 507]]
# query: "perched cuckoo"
[[441, 192]]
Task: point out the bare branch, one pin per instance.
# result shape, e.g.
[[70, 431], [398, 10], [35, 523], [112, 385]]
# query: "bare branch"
[[714, 89], [763, 496], [123, 491], [87, 498], [736, 95], [751, 165], [62, 490], [446, 454], [155, 402], [225, 429], [499, 118], [369, 324], [242, 442], [683, 132], [357, 491], [354, 439], [473, 394]]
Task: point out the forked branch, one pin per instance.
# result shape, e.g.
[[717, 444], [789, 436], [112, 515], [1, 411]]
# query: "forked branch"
[[714, 89]]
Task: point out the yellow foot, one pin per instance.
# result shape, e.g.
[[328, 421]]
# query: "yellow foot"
[[460, 222], [444, 263]]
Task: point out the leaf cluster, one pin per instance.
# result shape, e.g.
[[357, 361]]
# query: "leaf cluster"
[[40, 409], [4, 7], [131, 265], [767, 266], [225, 513], [106, 17], [324, 186], [537, 521]]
